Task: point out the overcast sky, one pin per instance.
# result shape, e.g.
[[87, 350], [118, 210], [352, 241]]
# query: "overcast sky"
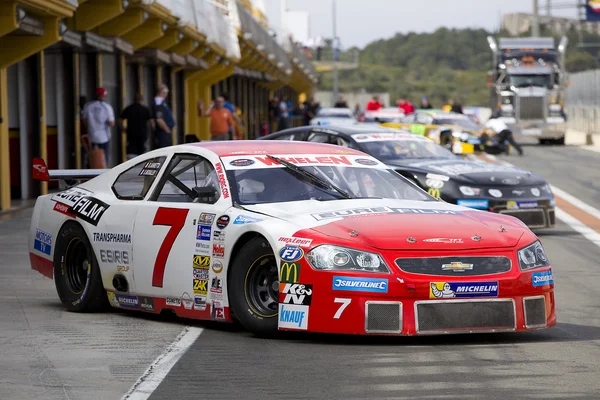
[[362, 21]]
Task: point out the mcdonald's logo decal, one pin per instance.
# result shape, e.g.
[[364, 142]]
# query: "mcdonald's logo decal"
[[290, 272], [434, 192]]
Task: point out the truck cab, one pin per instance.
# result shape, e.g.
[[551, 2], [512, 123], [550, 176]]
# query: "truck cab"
[[527, 86]]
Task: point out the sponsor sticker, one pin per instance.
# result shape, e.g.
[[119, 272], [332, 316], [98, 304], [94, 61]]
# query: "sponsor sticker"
[[527, 204], [261, 162], [443, 178], [206, 219], [89, 209], [435, 183], [201, 287], [291, 254], [445, 290], [203, 232], [63, 209], [289, 272], [112, 299], [217, 310], [114, 256], [201, 273], [111, 237], [71, 196], [201, 262], [378, 137], [127, 301], [292, 316], [375, 285], [219, 236], [146, 304], [241, 162], [444, 240], [245, 219], [480, 204], [542, 278], [295, 293], [173, 301], [42, 242], [354, 212], [536, 192], [218, 250], [148, 172], [200, 303], [302, 242], [223, 221], [365, 161], [203, 248], [152, 165], [217, 267], [187, 301], [216, 285]]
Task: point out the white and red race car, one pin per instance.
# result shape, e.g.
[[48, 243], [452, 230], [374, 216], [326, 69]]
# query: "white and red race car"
[[283, 235]]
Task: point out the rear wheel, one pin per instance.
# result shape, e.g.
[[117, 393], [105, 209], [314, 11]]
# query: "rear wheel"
[[76, 272], [254, 288]]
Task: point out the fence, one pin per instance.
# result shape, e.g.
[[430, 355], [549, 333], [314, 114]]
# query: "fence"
[[583, 102]]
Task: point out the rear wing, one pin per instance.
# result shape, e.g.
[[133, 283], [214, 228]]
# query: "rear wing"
[[65, 177]]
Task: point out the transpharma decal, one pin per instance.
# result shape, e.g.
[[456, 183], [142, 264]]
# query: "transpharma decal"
[[301, 160]]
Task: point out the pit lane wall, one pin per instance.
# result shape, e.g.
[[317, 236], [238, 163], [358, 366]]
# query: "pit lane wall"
[[583, 109], [54, 52]]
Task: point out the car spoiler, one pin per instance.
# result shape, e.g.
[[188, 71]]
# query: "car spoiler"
[[65, 177]]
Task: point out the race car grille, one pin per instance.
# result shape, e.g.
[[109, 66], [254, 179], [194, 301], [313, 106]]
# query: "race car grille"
[[383, 317], [535, 311], [460, 316], [455, 266], [551, 217], [532, 107], [534, 218]]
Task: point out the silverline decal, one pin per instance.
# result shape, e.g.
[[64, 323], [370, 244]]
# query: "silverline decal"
[[377, 210]]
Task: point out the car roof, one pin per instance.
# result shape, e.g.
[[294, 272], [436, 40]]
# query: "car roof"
[[253, 147], [355, 129]]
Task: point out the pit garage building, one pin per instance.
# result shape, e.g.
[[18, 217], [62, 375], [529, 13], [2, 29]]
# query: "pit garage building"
[[53, 52]]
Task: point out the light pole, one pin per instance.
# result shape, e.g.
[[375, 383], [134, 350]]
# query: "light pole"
[[334, 44], [535, 28]]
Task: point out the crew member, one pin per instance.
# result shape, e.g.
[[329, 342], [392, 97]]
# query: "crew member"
[[99, 117], [503, 133]]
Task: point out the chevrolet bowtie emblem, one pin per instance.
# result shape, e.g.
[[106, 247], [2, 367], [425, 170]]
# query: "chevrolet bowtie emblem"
[[457, 267]]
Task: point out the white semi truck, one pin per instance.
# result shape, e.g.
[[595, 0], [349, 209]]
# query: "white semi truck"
[[527, 86]]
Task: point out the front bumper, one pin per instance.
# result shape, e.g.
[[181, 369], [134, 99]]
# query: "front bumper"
[[552, 128], [539, 217]]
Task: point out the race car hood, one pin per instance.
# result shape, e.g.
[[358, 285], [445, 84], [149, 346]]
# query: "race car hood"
[[395, 224], [472, 172]]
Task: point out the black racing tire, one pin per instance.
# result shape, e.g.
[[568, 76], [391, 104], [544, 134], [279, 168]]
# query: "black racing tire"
[[253, 287], [76, 272], [446, 140]]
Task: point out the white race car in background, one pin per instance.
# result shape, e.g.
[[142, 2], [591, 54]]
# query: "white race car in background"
[[334, 116]]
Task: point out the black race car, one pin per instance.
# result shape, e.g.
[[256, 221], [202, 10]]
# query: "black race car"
[[495, 188]]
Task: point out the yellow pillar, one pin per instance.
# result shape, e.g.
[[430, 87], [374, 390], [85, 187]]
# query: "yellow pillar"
[[123, 84], [141, 79], [159, 71], [77, 111], [4, 144], [174, 103], [43, 127]]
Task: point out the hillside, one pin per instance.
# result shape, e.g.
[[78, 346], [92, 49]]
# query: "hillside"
[[445, 63]]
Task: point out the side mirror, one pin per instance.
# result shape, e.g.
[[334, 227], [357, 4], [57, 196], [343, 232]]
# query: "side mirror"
[[205, 194]]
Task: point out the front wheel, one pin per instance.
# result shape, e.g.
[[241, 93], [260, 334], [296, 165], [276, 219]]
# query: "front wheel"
[[76, 272], [254, 287]]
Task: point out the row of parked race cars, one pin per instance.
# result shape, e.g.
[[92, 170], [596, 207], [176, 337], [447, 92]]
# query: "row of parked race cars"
[[355, 229]]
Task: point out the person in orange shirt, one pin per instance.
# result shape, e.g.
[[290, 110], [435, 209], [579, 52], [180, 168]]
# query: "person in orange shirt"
[[221, 119]]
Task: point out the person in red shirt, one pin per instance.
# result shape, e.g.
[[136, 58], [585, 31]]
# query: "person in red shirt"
[[406, 106], [374, 104]]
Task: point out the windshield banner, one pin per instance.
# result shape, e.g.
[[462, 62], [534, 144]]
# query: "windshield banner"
[[382, 137], [301, 160]]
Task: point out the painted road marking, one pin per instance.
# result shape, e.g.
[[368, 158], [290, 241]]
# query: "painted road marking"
[[569, 209], [158, 370], [591, 148]]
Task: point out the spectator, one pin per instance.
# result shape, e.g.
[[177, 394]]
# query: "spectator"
[[374, 104], [358, 114], [425, 104], [234, 113], [341, 103], [221, 120], [455, 107], [137, 116], [99, 117], [283, 115], [406, 106], [163, 120], [310, 110], [274, 113]]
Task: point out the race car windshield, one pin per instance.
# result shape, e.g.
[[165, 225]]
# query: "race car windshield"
[[390, 150], [277, 185], [466, 123]]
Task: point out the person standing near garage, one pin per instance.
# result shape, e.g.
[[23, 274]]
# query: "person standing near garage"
[[137, 116], [221, 120], [99, 118], [162, 118]]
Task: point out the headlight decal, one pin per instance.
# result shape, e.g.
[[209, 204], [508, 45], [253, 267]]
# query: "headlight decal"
[[532, 257], [337, 258]]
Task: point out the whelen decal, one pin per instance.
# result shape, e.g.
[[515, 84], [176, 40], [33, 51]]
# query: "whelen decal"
[[89, 209], [353, 212], [222, 180], [259, 162]]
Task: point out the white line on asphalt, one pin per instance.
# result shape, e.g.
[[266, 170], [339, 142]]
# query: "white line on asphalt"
[[591, 148], [579, 226], [565, 217], [158, 370]]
